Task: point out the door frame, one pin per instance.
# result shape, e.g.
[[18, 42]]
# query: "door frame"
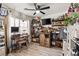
[[6, 37]]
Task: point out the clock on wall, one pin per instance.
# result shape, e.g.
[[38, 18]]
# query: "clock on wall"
[[3, 11]]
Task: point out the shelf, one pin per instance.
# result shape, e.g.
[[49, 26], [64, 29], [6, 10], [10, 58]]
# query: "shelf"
[[2, 47], [2, 43], [56, 20], [58, 25]]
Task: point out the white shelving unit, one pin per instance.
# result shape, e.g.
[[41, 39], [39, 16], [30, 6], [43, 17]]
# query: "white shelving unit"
[[70, 41], [76, 42], [1, 33], [2, 42]]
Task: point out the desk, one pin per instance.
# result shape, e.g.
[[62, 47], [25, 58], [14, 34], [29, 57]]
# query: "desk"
[[18, 40], [23, 39]]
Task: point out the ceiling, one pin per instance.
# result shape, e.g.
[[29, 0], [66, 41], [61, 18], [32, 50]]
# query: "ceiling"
[[54, 8]]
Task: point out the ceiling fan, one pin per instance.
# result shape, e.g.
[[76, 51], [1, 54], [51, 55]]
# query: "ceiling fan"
[[38, 9]]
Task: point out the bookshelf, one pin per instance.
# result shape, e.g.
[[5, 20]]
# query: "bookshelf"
[[35, 30], [58, 23]]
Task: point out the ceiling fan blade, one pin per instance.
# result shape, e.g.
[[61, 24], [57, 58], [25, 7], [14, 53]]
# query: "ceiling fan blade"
[[29, 9], [45, 8], [42, 12], [34, 13], [39, 6], [35, 4], [0, 5]]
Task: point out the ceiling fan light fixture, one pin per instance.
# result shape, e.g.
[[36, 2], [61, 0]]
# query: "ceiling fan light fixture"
[[37, 11]]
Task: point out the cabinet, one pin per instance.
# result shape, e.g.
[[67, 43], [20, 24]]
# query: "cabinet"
[[45, 39], [42, 39]]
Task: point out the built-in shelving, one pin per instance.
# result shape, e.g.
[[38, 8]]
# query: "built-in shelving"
[[73, 41], [58, 23], [1, 33], [57, 20]]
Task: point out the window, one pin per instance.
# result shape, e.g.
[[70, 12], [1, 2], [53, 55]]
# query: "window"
[[17, 22], [24, 26]]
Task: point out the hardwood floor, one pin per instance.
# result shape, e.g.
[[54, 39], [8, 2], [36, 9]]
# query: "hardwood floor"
[[35, 50], [2, 51]]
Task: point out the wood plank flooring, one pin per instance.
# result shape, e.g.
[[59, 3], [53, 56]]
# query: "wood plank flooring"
[[2, 51], [35, 50]]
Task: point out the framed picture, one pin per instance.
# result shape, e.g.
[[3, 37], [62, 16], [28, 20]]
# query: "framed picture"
[[3, 11]]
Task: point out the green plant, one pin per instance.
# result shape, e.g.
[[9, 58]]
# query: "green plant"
[[71, 19], [76, 5]]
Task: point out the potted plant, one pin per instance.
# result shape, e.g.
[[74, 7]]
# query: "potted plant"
[[71, 19]]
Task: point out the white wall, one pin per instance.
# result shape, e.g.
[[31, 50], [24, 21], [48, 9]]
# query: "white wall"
[[53, 15]]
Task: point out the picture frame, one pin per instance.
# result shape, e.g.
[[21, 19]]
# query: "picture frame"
[[3, 11]]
